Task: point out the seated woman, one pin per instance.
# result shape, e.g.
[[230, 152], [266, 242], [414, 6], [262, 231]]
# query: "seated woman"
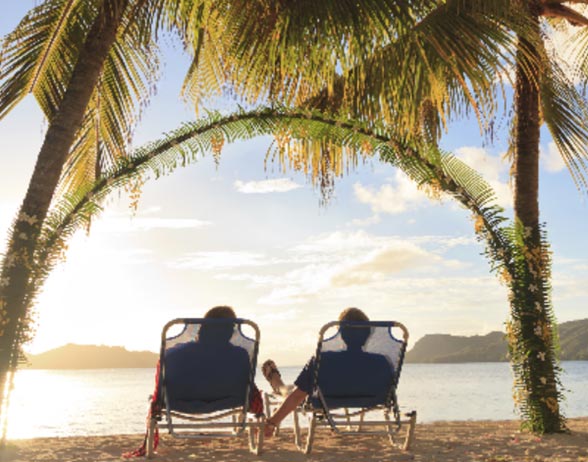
[[348, 372]]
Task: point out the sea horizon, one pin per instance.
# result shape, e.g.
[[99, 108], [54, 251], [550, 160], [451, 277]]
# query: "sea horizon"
[[87, 402]]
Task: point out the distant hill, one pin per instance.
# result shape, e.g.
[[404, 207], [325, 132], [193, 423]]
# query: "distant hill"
[[442, 348], [574, 340], [73, 356], [435, 348]]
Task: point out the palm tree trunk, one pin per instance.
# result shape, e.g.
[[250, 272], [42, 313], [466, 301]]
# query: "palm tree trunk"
[[531, 329], [18, 265]]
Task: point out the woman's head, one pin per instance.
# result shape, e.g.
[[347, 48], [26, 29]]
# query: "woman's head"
[[218, 332], [354, 336], [353, 314]]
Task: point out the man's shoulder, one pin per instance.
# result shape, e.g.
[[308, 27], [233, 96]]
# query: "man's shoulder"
[[182, 348]]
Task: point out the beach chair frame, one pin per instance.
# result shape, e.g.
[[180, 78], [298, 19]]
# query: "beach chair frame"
[[208, 426], [354, 423]]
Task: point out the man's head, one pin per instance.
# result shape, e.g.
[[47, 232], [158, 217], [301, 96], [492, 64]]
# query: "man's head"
[[218, 332], [354, 336], [220, 312]]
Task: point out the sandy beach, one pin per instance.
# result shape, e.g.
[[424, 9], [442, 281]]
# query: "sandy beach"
[[480, 441]]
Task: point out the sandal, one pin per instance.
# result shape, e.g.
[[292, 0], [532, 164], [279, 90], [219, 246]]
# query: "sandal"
[[269, 370]]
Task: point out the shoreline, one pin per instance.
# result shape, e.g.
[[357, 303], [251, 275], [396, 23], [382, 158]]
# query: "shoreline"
[[447, 441]]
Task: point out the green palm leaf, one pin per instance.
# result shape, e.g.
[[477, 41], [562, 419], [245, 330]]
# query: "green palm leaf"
[[565, 113], [321, 136], [290, 50], [125, 85], [37, 57]]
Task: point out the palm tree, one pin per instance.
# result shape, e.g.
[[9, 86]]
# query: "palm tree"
[[437, 66], [542, 91], [68, 54]]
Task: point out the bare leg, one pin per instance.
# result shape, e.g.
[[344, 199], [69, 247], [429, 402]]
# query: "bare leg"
[[273, 376]]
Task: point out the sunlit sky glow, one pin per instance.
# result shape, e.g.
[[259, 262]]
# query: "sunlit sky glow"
[[259, 240]]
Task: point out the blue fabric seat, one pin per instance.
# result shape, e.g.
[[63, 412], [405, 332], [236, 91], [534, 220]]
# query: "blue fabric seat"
[[206, 375], [353, 378], [356, 369]]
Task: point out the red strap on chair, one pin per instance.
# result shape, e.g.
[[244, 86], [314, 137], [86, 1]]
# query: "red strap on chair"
[[154, 408]]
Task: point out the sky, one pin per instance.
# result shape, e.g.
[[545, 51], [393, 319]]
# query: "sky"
[[259, 240]]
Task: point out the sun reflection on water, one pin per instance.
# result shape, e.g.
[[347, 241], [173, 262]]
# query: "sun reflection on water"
[[65, 403]]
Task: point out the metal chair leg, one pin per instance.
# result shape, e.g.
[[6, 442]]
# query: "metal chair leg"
[[409, 440], [297, 428], [256, 437], [310, 436], [151, 438]]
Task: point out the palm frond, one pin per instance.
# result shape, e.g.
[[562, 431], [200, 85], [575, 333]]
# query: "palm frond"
[[453, 59], [577, 44], [565, 113], [310, 141], [288, 51], [37, 57], [384, 59], [125, 85]]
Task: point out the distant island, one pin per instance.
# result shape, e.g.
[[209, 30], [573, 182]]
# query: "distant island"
[[73, 356], [434, 348], [492, 347]]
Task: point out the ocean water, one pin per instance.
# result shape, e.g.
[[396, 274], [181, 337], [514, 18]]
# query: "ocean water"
[[114, 401]]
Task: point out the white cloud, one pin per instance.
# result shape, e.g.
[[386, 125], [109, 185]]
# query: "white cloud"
[[279, 185], [219, 260], [552, 158], [444, 242], [129, 225], [125, 222], [341, 243], [491, 168], [392, 199], [341, 260], [404, 194], [254, 280], [278, 316], [326, 264], [383, 262], [365, 222]]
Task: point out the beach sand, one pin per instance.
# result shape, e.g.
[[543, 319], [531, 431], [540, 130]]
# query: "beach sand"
[[487, 441]]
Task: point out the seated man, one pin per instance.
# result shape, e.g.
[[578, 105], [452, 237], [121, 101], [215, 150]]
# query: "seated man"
[[218, 362], [350, 373], [221, 370]]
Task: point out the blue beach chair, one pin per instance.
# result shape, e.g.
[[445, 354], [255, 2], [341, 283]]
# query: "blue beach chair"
[[355, 375], [206, 381]]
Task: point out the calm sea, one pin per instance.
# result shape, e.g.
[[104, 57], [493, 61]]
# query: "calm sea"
[[114, 401]]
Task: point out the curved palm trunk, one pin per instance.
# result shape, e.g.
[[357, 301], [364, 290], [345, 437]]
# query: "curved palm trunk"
[[18, 266], [531, 329]]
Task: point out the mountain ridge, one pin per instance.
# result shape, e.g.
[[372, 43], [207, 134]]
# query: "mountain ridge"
[[492, 347], [73, 356], [430, 349]]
